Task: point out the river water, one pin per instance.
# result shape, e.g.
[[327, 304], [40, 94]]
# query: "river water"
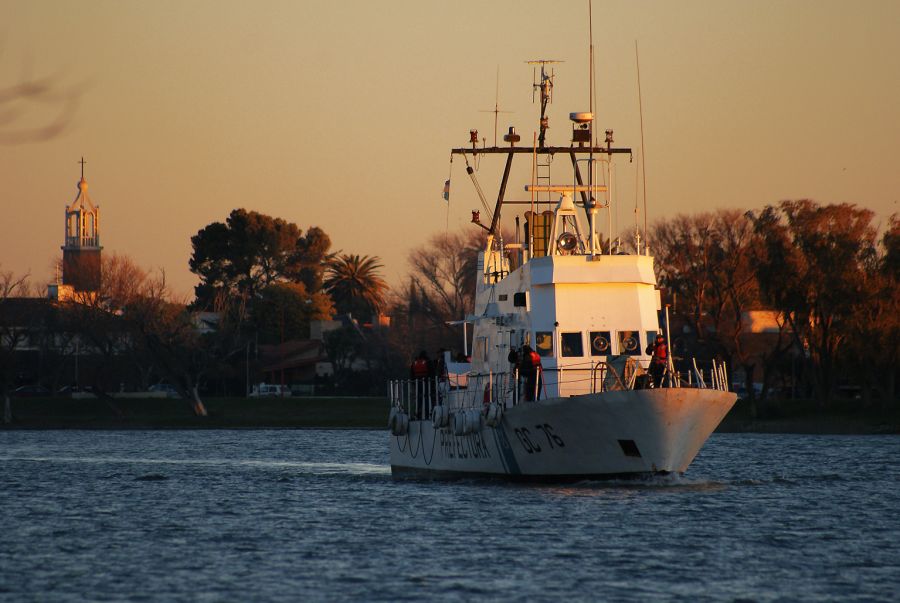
[[288, 515]]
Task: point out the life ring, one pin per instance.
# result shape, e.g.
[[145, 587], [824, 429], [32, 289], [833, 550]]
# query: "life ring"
[[600, 344]]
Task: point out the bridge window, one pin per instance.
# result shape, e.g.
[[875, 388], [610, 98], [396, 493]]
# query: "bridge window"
[[570, 345], [543, 343]]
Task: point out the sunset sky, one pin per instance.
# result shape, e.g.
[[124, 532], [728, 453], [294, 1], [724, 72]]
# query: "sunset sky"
[[341, 114]]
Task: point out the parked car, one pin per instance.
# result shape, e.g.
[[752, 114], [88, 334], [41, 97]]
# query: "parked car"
[[269, 390], [31, 391], [68, 390], [742, 393], [167, 389]]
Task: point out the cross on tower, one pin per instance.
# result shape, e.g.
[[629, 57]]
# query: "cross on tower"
[[82, 162]]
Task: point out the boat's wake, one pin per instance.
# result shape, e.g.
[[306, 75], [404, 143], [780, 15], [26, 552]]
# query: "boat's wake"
[[153, 469]]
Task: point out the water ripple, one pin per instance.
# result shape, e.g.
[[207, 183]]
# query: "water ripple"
[[313, 514]]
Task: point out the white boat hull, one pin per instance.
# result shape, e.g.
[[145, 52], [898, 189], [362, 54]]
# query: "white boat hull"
[[615, 434]]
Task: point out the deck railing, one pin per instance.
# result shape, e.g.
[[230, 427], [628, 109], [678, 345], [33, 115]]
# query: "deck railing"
[[417, 397]]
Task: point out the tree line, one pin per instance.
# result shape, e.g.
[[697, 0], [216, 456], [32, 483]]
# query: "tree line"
[[824, 278], [261, 281], [823, 272]]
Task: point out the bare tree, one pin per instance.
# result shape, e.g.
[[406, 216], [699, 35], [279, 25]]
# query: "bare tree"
[[706, 261], [872, 347], [12, 334], [185, 347], [441, 288], [813, 264], [99, 320]]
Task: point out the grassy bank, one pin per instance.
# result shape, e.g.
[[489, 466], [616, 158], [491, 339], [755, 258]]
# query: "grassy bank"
[[808, 416], [224, 413], [772, 416]]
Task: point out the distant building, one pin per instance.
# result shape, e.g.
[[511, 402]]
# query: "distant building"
[[762, 321], [81, 247], [318, 328], [293, 362]]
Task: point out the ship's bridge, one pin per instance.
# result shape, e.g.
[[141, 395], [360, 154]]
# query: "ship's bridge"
[[599, 269], [584, 309]]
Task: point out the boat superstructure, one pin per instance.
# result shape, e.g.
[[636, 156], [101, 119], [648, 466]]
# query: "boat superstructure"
[[589, 311]]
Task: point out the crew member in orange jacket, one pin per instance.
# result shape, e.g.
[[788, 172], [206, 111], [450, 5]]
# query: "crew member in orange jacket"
[[660, 357], [421, 371]]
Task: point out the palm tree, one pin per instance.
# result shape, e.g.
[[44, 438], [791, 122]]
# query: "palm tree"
[[355, 285]]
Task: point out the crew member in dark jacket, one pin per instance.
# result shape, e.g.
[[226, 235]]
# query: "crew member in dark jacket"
[[513, 359], [530, 367]]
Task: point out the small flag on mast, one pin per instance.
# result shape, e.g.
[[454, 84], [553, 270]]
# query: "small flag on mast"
[[446, 194]]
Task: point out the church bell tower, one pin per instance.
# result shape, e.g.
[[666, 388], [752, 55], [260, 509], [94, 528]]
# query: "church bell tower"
[[81, 251]]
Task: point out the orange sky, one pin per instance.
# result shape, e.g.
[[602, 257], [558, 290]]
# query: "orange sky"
[[342, 114]]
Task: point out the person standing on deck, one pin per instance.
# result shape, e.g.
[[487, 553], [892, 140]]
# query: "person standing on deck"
[[659, 352], [529, 367], [513, 359], [421, 371], [440, 371]]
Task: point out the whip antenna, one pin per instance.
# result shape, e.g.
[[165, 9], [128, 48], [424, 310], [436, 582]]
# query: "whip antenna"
[[496, 110], [591, 66], [591, 169], [643, 158]]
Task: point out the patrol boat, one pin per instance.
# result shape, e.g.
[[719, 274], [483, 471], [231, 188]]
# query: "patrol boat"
[[592, 316]]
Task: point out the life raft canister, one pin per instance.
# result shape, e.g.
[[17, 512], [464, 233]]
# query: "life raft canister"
[[398, 421], [459, 423], [473, 422], [440, 416], [494, 415]]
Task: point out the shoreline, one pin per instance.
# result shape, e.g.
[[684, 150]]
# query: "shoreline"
[[810, 426], [29, 414], [223, 413], [841, 417]]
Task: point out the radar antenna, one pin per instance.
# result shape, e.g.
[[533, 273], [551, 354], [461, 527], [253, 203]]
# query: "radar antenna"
[[546, 88]]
